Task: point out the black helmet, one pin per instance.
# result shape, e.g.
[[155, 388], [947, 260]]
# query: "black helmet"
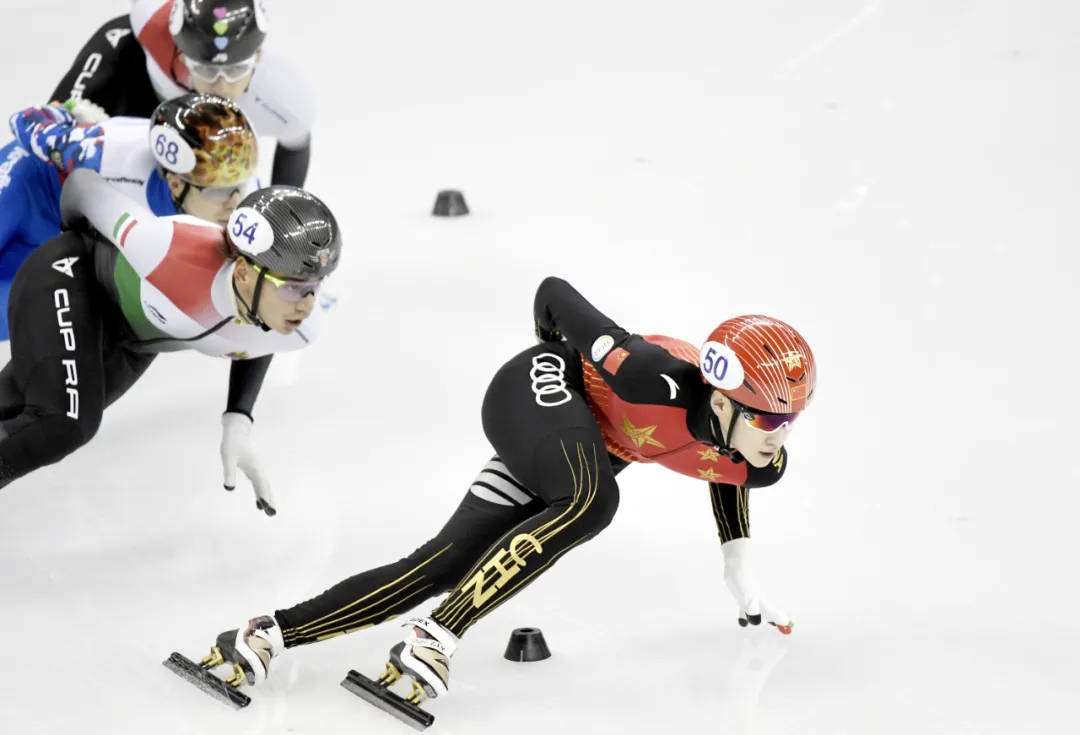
[[287, 231], [218, 32], [205, 139]]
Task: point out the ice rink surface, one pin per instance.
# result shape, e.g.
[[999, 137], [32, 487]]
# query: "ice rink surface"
[[898, 179]]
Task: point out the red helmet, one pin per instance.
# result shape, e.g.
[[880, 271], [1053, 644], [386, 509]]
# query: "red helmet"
[[760, 362]]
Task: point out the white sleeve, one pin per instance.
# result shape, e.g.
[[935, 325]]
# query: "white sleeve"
[[142, 11], [143, 238], [126, 152], [280, 101]]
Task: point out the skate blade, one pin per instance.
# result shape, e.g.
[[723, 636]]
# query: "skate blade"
[[387, 701], [194, 673]]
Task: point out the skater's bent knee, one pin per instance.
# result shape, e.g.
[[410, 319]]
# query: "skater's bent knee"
[[594, 503], [70, 433], [605, 503], [45, 436]]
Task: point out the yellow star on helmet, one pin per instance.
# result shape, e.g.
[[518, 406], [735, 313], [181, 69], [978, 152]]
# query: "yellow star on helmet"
[[792, 360], [640, 436], [708, 474], [708, 455]]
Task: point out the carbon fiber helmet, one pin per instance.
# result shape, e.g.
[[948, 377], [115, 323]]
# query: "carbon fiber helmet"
[[218, 31], [204, 139], [287, 231]]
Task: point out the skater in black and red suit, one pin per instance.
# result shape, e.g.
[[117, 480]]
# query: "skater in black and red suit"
[[565, 417]]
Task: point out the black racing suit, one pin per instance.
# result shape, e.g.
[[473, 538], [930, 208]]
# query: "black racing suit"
[[550, 488], [110, 71]]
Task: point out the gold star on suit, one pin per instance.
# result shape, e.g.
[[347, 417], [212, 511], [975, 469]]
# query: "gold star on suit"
[[708, 455], [640, 436], [708, 474]]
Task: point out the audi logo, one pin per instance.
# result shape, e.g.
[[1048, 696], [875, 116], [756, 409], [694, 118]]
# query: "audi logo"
[[548, 380]]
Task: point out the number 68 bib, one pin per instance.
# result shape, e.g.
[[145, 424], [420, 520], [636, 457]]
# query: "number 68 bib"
[[171, 150]]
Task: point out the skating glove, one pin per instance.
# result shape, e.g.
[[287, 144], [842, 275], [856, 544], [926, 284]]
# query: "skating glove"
[[742, 582], [51, 114], [238, 450]]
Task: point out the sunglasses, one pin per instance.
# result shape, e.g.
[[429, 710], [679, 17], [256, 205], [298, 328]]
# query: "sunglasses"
[[210, 73], [767, 422], [222, 194], [290, 290], [218, 195]]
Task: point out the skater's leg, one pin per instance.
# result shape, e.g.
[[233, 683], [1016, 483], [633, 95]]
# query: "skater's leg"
[[56, 357], [123, 367], [494, 503], [543, 430], [538, 421]]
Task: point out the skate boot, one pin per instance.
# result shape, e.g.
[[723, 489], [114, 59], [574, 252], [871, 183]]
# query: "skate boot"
[[424, 656], [249, 650]]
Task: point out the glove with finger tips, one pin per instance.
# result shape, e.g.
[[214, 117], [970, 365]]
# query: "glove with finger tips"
[[238, 451], [742, 583]]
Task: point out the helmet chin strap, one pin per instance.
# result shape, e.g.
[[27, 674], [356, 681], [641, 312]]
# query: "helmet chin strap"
[[725, 439], [178, 200], [252, 314]]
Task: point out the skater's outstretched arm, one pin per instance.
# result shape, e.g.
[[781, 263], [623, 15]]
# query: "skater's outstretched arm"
[[237, 449], [143, 238], [731, 503], [245, 382], [731, 509]]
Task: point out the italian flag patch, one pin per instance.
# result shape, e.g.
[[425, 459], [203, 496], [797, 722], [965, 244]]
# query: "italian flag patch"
[[123, 228]]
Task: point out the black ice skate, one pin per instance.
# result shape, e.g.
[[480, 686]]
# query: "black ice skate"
[[424, 656], [249, 651]]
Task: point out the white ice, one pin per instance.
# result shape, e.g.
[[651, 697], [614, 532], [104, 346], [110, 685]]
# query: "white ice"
[[896, 178]]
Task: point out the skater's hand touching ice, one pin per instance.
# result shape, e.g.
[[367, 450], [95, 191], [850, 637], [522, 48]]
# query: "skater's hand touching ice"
[[742, 582], [238, 450]]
